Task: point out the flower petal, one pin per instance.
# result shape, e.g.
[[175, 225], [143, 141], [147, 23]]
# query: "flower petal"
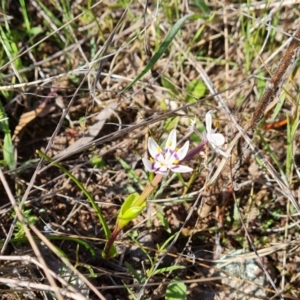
[[208, 122], [148, 164], [170, 145], [167, 158], [216, 138], [159, 168], [171, 140], [182, 152], [181, 169], [154, 149]]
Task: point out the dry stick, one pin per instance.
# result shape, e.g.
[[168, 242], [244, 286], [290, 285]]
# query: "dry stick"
[[286, 65], [18, 210], [28, 259], [50, 143], [45, 241], [273, 90], [28, 234], [15, 283]]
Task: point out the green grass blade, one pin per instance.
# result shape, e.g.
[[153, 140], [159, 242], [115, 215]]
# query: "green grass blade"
[[292, 127], [168, 269], [161, 50], [134, 273], [81, 242], [8, 151], [8, 147], [86, 193], [25, 15]]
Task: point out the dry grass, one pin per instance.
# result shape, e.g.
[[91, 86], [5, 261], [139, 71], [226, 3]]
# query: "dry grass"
[[222, 60]]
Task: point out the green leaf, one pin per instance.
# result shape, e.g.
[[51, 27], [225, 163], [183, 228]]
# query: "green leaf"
[[169, 85], [195, 90], [261, 83], [129, 201], [81, 242], [8, 152], [161, 50], [8, 147], [129, 210], [202, 5], [89, 268], [97, 162], [36, 30], [176, 291], [129, 215]]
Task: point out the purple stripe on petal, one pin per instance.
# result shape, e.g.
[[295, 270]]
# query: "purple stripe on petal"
[[158, 157], [161, 172], [175, 155], [156, 166], [168, 153], [153, 168], [174, 167]]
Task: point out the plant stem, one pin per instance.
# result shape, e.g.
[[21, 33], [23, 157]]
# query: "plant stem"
[[147, 191]]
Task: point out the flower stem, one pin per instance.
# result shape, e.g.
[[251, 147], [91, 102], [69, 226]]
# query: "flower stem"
[[148, 190], [105, 253]]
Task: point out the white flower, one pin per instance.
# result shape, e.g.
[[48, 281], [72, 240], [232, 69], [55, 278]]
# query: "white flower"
[[168, 158], [215, 139]]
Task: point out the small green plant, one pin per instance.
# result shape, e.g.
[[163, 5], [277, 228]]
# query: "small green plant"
[[19, 233], [176, 290]]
